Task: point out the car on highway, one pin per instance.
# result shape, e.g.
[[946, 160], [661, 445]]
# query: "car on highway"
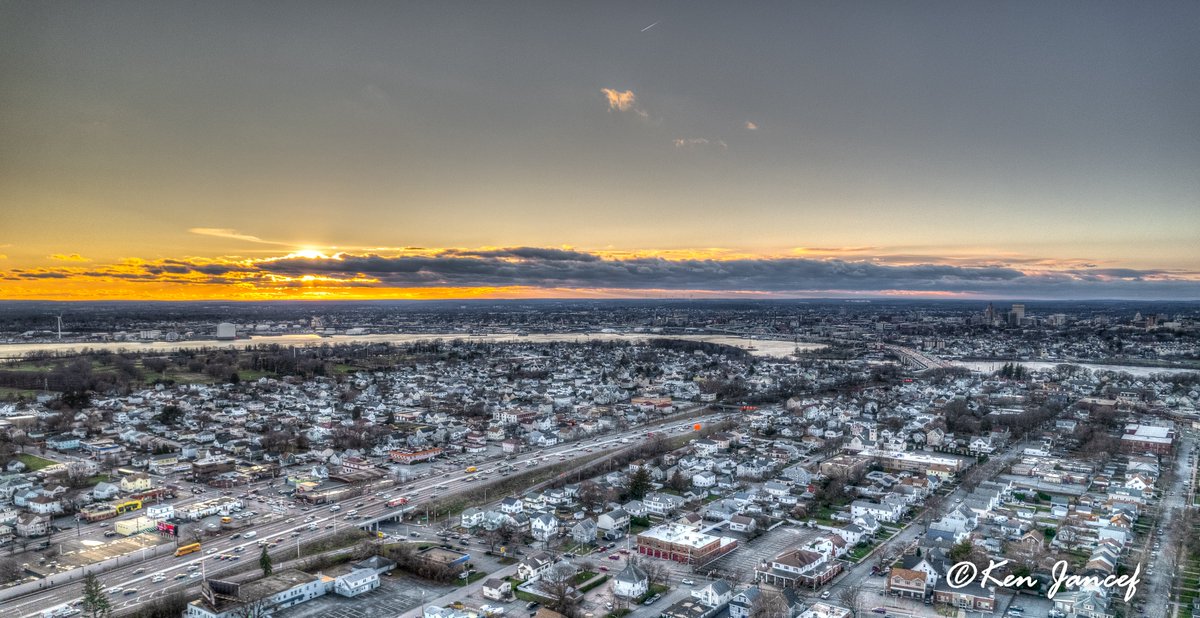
[[159, 578], [687, 582]]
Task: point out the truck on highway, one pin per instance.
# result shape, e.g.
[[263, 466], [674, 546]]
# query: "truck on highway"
[[250, 534], [397, 501]]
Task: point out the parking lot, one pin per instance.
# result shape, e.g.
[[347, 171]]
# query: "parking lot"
[[740, 565], [79, 552], [394, 596]]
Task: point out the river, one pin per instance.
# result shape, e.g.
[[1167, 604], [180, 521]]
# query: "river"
[[761, 347], [1135, 370]]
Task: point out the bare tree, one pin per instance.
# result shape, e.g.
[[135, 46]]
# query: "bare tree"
[[10, 570], [656, 571], [254, 608], [850, 597], [769, 604], [558, 583]]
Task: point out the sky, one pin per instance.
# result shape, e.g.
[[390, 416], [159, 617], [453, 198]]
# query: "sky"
[[269, 150]]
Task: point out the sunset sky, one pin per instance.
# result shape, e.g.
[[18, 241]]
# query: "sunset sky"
[[261, 150]]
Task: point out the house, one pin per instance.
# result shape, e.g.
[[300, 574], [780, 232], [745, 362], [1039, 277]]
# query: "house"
[[543, 526], [1087, 602], [741, 523], [471, 517], [704, 480], [163, 464], [533, 567], [132, 483], [31, 525], [45, 505], [661, 504], [631, 582], [356, 582], [715, 595], [613, 524], [635, 508], [512, 506], [880, 511], [742, 604], [497, 589], [105, 491], [800, 567], [584, 532], [971, 597], [63, 442], [907, 583]]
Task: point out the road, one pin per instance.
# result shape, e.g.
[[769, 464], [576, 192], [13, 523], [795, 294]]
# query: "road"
[[1159, 573], [137, 574]]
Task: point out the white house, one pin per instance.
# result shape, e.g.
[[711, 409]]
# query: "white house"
[[512, 506], [715, 595], [631, 582], [497, 589], [882, 512], [533, 567], [471, 517], [543, 526], [356, 582]]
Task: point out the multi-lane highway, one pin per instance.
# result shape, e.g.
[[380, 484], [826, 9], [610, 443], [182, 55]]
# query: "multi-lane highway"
[[155, 576]]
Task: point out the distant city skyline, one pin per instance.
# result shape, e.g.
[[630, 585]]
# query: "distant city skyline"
[[536, 150]]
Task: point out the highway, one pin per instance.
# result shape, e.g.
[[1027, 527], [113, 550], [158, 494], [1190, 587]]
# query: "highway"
[[188, 571]]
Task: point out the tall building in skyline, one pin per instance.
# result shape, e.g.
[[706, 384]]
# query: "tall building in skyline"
[[1016, 314]]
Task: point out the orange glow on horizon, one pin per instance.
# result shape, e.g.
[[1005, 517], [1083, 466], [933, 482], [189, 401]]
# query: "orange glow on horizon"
[[322, 273]]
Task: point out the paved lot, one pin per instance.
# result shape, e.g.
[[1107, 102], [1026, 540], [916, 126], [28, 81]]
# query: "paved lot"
[[741, 563], [393, 597]]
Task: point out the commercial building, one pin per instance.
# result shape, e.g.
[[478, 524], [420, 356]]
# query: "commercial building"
[[135, 525], [410, 457], [683, 544], [1140, 438]]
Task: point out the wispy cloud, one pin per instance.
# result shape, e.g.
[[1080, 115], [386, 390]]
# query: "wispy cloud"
[[221, 232], [750, 126], [699, 142], [68, 257], [623, 101]]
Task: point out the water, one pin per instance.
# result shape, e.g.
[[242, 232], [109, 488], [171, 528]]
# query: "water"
[[760, 347], [1135, 370]]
